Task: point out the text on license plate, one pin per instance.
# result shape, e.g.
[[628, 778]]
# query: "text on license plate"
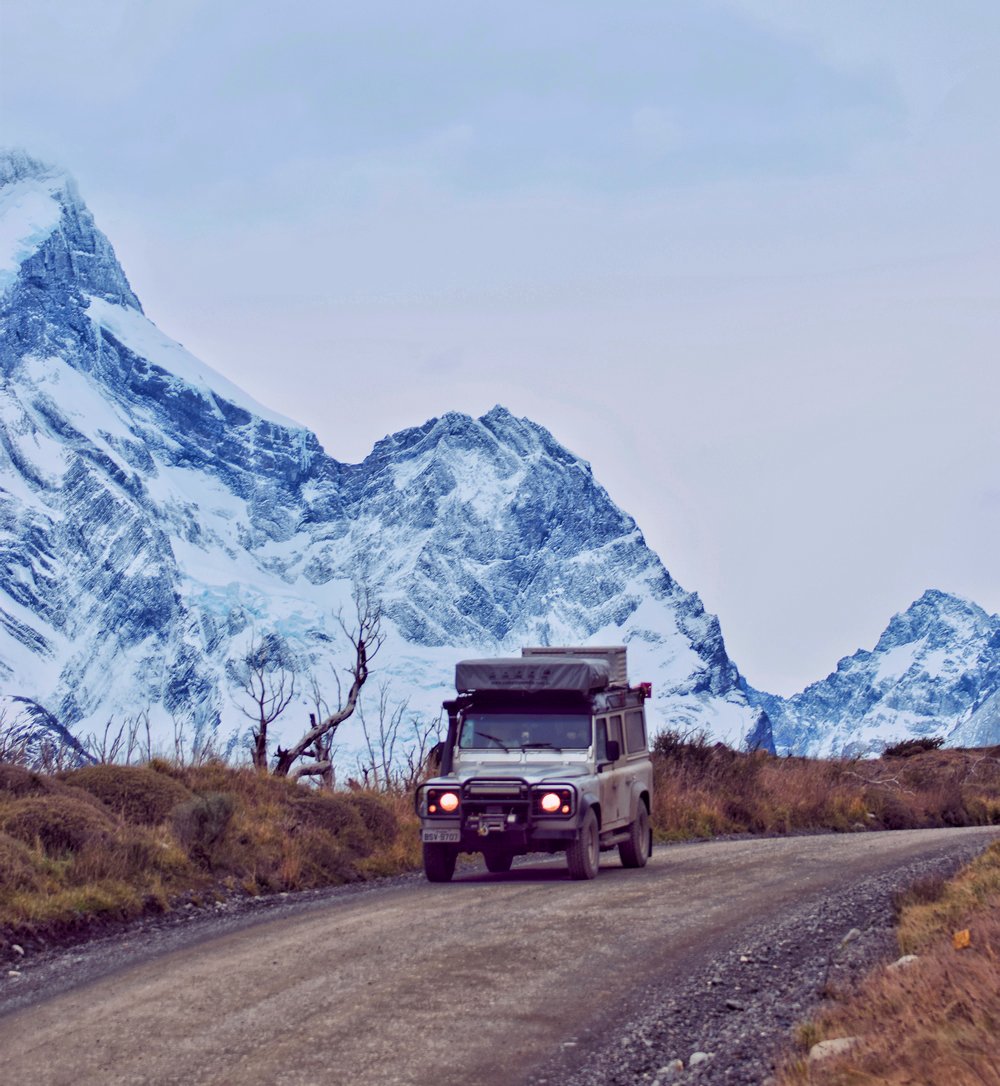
[[454, 835]]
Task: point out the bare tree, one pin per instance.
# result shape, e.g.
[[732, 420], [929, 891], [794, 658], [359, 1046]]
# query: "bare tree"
[[366, 638], [322, 750], [396, 747], [422, 737], [266, 675], [131, 740], [381, 739], [195, 746]]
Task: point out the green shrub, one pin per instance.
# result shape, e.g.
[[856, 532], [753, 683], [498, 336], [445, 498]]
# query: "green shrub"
[[138, 794], [61, 823], [201, 823], [908, 747]]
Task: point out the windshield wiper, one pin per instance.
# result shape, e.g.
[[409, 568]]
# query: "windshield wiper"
[[534, 746], [496, 739]]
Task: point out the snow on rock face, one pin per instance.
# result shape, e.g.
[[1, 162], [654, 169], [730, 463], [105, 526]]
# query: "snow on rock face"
[[934, 672], [154, 518]]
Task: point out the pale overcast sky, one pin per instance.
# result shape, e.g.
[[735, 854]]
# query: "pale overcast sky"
[[740, 255]]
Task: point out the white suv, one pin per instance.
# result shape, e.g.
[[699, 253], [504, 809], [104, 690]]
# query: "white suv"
[[546, 752]]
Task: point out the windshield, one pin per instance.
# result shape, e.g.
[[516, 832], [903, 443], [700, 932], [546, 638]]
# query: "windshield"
[[534, 730]]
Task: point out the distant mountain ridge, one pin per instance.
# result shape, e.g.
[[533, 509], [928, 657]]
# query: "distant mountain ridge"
[[154, 518], [935, 671]]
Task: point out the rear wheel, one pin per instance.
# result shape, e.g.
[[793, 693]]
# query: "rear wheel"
[[583, 857], [498, 862], [635, 851], [439, 861]]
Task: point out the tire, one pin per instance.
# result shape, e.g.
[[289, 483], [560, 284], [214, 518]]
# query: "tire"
[[635, 851], [498, 862], [583, 857], [439, 861]]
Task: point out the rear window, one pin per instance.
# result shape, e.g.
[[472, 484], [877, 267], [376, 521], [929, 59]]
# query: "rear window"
[[635, 731]]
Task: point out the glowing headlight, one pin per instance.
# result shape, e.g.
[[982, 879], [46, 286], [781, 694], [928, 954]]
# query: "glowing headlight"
[[557, 803], [448, 802]]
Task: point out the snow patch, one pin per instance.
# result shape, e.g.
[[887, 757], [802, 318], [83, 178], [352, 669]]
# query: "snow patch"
[[144, 339], [29, 213]]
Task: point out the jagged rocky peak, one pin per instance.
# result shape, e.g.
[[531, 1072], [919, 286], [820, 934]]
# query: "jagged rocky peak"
[[17, 165], [939, 618], [152, 514], [56, 241], [935, 670]]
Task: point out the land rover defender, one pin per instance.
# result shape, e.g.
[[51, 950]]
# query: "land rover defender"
[[546, 752]]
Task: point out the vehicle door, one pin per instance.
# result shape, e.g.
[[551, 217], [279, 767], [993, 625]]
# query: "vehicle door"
[[611, 777], [638, 772]]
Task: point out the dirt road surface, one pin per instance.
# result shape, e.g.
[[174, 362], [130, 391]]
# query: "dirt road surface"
[[478, 982]]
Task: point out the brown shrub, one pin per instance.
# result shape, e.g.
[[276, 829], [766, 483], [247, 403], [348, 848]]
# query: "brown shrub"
[[135, 792], [17, 781], [379, 818], [60, 823], [314, 858], [337, 815], [18, 868], [892, 810], [924, 891]]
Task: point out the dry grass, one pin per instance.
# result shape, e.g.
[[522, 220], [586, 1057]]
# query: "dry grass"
[[117, 841], [121, 840], [703, 790], [936, 1022]]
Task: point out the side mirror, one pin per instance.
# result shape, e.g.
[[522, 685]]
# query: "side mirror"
[[613, 750]]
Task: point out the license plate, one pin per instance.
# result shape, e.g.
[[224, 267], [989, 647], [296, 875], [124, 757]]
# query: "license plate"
[[448, 836]]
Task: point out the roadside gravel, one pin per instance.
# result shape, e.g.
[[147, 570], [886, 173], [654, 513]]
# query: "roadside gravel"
[[740, 1010], [715, 948]]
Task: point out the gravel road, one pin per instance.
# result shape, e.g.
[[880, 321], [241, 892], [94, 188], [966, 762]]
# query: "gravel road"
[[493, 980]]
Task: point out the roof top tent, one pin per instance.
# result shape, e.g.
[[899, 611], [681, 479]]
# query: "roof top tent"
[[613, 655], [533, 675]]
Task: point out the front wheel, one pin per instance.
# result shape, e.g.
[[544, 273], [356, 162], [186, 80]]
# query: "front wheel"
[[439, 861], [583, 857], [635, 851]]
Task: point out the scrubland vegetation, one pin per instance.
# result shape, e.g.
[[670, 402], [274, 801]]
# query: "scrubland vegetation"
[[934, 1021], [108, 842], [703, 790], [112, 842]]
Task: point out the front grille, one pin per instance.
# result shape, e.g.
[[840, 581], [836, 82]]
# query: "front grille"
[[496, 790], [495, 802]]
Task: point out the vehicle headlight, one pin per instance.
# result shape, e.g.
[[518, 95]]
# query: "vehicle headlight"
[[554, 802], [442, 801]]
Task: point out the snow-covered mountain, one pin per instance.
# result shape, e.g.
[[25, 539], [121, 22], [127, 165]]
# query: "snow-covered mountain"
[[154, 519], [934, 672]]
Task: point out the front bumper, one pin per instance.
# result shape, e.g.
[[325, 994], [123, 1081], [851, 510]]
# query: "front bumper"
[[503, 813]]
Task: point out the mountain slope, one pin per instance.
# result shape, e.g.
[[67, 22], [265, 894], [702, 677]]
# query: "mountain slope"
[[154, 519], [934, 672]]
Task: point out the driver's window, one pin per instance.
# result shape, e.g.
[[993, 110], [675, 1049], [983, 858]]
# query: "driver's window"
[[601, 740]]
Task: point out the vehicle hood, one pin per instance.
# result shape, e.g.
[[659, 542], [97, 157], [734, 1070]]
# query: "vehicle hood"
[[532, 772]]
